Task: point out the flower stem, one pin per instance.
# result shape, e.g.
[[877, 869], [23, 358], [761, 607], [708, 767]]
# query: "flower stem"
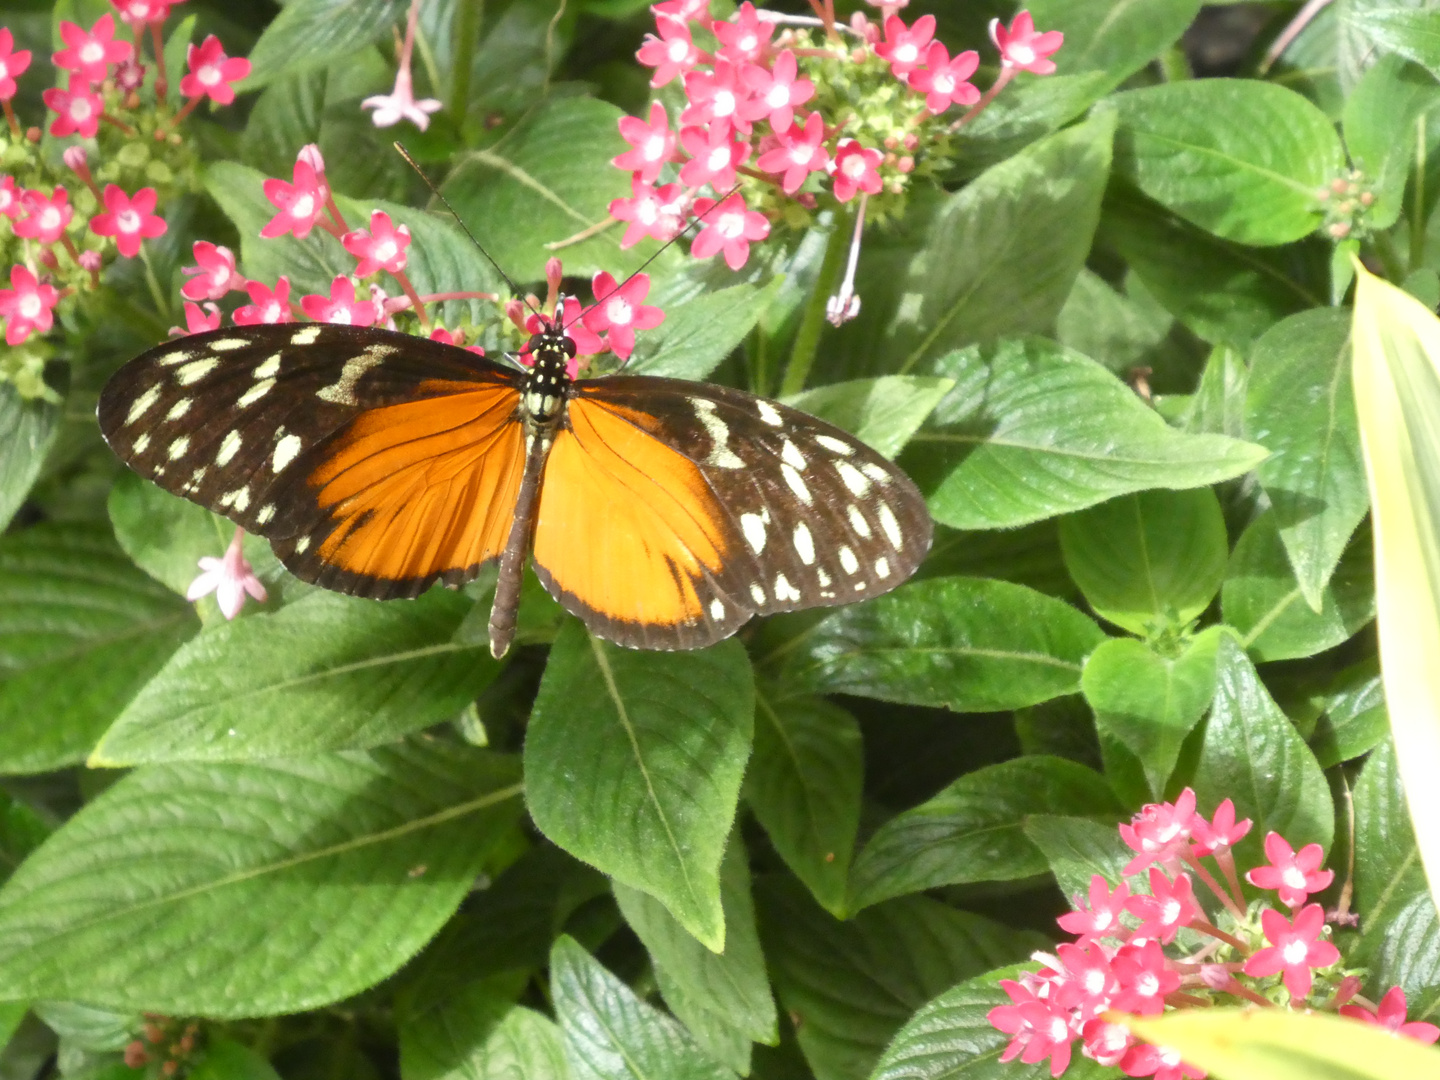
[[1006, 74], [465, 31], [10, 116], [162, 84], [126, 128], [1214, 931], [812, 322], [1230, 902], [1292, 30], [583, 235], [185, 110], [416, 304]]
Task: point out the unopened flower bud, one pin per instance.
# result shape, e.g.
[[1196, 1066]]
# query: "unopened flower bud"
[[891, 142], [90, 260], [1338, 185], [905, 164], [1346, 207], [1215, 976], [135, 1055], [310, 154], [74, 158], [857, 56], [1367, 198], [1348, 988], [1339, 230], [47, 258], [911, 141], [515, 312], [33, 134]]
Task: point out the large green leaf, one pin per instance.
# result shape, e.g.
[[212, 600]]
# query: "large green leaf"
[[27, 430], [965, 644], [317, 33], [1033, 430], [1077, 849], [327, 672], [1299, 407], [478, 1033], [1117, 39], [973, 830], [1379, 124], [1400, 28], [885, 412], [81, 631], [250, 889], [633, 762], [1238, 157], [698, 335]]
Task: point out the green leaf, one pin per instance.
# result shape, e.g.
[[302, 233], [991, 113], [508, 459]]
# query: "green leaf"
[[1251, 753], [1218, 404], [225, 1059], [1299, 407], [327, 672], [1262, 600], [804, 786], [547, 179], [849, 986], [965, 644], [478, 1033], [1120, 40], [1106, 325], [1077, 850], [610, 1034], [1033, 430], [728, 991], [1150, 562], [633, 763], [885, 412], [1355, 720], [1150, 702], [1004, 251], [29, 429], [1238, 157], [1379, 125], [1407, 32], [698, 335], [81, 631], [316, 33], [253, 889], [974, 829]]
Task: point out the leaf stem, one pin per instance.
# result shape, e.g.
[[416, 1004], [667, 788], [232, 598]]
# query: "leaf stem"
[[1417, 204], [812, 322]]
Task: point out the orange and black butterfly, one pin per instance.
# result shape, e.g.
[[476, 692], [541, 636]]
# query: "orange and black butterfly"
[[663, 513]]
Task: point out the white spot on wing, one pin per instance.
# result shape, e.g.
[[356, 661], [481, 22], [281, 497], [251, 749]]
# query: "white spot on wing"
[[305, 336], [269, 369], [823, 578], [229, 447], [804, 544], [194, 371], [848, 560], [229, 344], [858, 522], [267, 512], [854, 479], [721, 456], [753, 526], [141, 405], [792, 456], [875, 472], [891, 526], [757, 592], [797, 485], [255, 393], [769, 414], [784, 591], [180, 408], [717, 610], [302, 545], [179, 356], [239, 498], [834, 445], [882, 568], [178, 447], [141, 443], [342, 391], [285, 451]]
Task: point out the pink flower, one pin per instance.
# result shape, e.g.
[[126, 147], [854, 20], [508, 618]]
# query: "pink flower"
[[1021, 47], [716, 97], [212, 72], [1038, 1029], [381, 248], [229, 578], [685, 10], [12, 63], [776, 92], [130, 76], [10, 204], [197, 321], [129, 220], [445, 337], [1294, 875], [1102, 918], [1087, 981], [1295, 948], [651, 143], [400, 103], [1144, 979], [26, 305], [904, 46], [801, 152], [1170, 906], [731, 230], [745, 39], [1106, 1042], [139, 12], [214, 276], [266, 306], [1158, 1061], [943, 81], [715, 155], [650, 212], [1391, 1015], [45, 219], [90, 55], [572, 321], [1219, 834], [619, 311], [300, 203], [854, 170], [1160, 832], [340, 306], [79, 108], [672, 53]]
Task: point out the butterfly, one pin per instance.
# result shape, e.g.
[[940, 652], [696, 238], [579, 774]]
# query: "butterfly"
[[664, 513]]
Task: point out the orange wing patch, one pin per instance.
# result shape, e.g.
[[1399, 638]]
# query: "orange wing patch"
[[423, 487], [628, 528]]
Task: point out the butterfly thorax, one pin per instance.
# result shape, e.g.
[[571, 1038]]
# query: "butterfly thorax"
[[547, 386]]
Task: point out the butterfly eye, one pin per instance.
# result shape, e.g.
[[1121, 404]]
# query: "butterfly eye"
[[568, 344]]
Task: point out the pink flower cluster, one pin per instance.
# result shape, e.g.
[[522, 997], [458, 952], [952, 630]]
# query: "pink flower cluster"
[[1119, 963]]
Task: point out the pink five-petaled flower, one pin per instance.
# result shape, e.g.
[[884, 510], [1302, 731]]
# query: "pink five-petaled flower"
[[340, 306], [1021, 47], [1144, 979], [229, 577], [10, 203], [91, 54], [1161, 1062], [79, 108], [1102, 918], [44, 219], [129, 219], [618, 310], [266, 305], [1294, 948], [855, 169], [731, 228], [1391, 1015], [212, 72], [1170, 906], [1105, 1041], [196, 319], [139, 12], [650, 212], [904, 46], [1038, 1030], [943, 81], [445, 337], [776, 92], [715, 154], [400, 103], [12, 63], [685, 10], [215, 274], [651, 144], [1160, 832], [1087, 982], [1294, 874], [382, 247], [26, 305], [745, 39], [672, 53], [300, 203], [801, 152], [1220, 833], [717, 98]]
